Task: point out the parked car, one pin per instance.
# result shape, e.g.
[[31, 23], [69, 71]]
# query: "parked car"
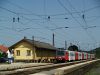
[[3, 60]]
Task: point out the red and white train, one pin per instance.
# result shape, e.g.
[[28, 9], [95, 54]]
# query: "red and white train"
[[66, 55]]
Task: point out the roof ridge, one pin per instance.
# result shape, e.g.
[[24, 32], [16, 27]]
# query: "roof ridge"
[[38, 44], [38, 41]]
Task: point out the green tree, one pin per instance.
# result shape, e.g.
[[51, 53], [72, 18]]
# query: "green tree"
[[73, 48]]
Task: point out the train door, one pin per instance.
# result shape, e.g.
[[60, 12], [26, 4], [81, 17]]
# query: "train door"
[[76, 55], [71, 55], [82, 55], [86, 55], [67, 55], [79, 56]]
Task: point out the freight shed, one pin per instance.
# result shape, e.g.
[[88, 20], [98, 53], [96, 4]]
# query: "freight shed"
[[33, 51]]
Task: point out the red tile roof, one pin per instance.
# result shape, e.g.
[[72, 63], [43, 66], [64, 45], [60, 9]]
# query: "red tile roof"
[[3, 48]]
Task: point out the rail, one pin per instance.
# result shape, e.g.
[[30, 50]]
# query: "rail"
[[32, 70]]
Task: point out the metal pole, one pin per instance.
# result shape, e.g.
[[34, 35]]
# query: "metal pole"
[[33, 48], [33, 40], [65, 44], [53, 40]]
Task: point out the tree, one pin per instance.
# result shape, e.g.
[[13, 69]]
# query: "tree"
[[73, 48]]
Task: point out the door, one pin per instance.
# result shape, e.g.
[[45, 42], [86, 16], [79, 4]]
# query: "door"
[[67, 56]]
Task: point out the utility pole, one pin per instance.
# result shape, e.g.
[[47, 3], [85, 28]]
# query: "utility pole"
[[65, 44], [33, 40], [53, 39], [33, 48], [71, 44]]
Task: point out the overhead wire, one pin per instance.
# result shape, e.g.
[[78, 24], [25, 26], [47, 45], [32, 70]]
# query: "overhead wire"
[[16, 14], [83, 17], [86, 10], [49, 17], [27, 18], [75, 19], [13, 13], [20, 7], [34, 14], [39, 28]]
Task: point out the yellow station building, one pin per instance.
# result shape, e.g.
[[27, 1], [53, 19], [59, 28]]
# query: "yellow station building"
[[31, 50]]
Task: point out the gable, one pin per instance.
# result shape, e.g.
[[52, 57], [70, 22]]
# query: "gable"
[[23, 44]]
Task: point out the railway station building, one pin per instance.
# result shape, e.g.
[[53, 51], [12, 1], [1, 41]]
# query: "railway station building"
[[28, 50]]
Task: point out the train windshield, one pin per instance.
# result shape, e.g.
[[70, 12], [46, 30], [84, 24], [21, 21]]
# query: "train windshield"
[[60, 53]]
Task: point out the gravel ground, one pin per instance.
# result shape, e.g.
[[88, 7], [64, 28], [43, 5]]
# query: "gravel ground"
[[19, 65]]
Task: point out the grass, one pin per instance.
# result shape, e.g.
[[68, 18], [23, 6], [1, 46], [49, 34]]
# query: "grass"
[[94, 71]]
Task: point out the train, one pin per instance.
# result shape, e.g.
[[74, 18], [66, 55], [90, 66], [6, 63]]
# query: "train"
[[67, 55]]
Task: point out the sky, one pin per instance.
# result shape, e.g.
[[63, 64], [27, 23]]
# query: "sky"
[[42, 18]]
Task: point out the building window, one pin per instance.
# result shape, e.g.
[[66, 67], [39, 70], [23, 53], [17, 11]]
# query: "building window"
[[18, 52], [28, 52]]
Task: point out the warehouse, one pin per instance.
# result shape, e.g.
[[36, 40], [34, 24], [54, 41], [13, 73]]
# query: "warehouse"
[[33, 51]]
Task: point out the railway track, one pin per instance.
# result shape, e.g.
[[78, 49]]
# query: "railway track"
[[32, 70]]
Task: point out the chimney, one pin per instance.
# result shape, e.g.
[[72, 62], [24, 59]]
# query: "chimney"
[[24, 37]]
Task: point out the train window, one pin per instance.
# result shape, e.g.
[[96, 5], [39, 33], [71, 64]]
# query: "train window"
[[72, 54], [79, 54], [60, 53]]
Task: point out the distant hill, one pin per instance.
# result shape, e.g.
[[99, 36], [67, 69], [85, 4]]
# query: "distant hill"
[[97, 51]]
